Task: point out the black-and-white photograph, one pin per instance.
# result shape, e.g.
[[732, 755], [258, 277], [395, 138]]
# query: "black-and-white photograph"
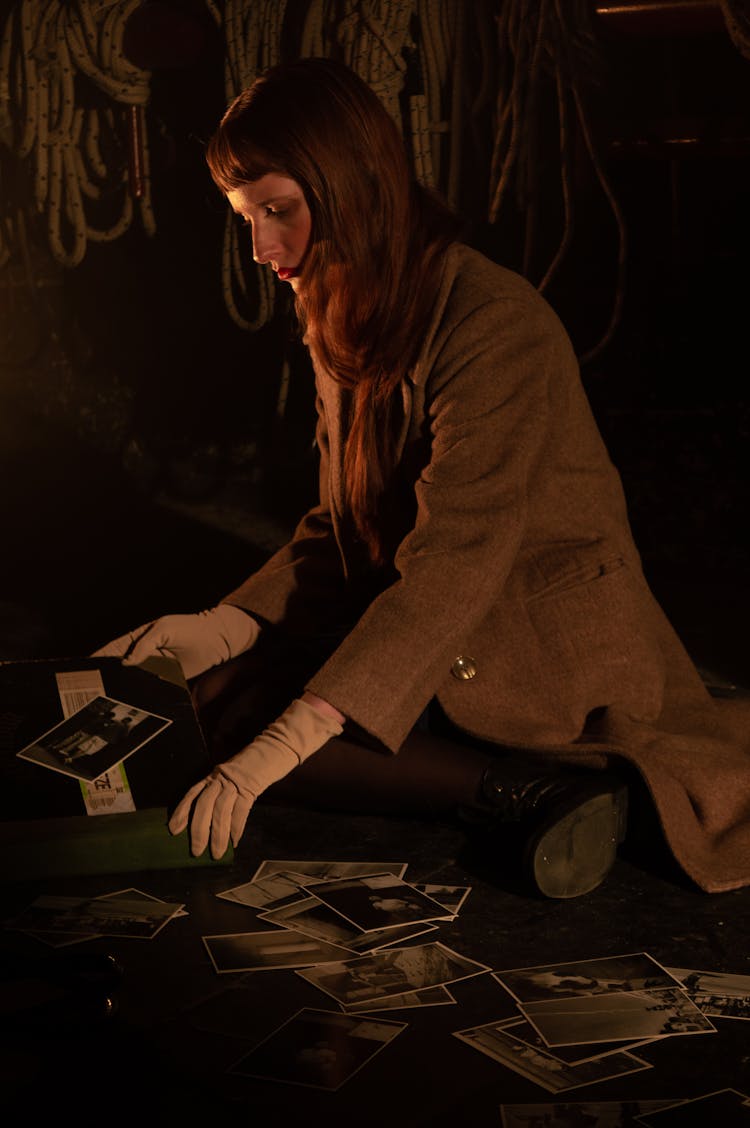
[[726, 1108], [264, 951], [716, 993], [392, 972], [320, 1049], [380, 901], [95, 738], [262, 892], [573, 1055], [634, 972], [577, 1114], [452, 897], [131, 893], [624, 1015], [328, 869], [543, 1067], [438, 996], [136, 916], [313, 917]]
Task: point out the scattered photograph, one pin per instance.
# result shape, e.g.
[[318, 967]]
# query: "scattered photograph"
[[259, 894], [616, 1017], [573, 1055], [716, 993], [426, 997], [450, 897], [380, 901], [264, 951], [63, 939], [576, 1114], [634, 972], [727, 1108], [392, 971], [380, 939], [313, 917], [138, 917], [543, 1067], [129, 893], [322, 869], [94, 739], [318, 1049]]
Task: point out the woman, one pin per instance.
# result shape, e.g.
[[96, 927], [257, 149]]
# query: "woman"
[[462, 621]]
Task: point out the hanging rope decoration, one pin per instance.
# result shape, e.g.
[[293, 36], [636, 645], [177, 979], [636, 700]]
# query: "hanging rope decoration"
[[542, 42], [48, 47], [374, 39], [252, 37]]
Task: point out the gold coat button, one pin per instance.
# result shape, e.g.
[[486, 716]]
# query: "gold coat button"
[[464, 668]]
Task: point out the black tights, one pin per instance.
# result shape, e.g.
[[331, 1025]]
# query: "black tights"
[[432, 774]]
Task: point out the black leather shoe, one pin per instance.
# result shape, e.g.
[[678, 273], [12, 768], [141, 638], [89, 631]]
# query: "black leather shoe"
[[571, 822]]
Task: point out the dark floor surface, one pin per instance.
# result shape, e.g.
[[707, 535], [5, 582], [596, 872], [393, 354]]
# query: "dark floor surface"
[[163, 1057], [85, 557]]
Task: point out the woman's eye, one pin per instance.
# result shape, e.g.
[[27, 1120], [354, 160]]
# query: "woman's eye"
[[275, 212]]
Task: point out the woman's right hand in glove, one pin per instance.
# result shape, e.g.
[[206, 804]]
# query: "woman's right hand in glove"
[[197, 641]]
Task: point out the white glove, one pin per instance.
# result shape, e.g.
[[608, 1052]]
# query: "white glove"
[[224, 798], [198, 641]]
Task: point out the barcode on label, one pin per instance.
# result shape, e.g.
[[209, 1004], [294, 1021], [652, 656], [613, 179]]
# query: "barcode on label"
[[77, 687]]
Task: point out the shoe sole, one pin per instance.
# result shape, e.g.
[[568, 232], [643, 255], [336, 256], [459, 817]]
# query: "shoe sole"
[[574, 854]]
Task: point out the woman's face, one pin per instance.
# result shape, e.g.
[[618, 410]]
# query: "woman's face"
[[276, 210]]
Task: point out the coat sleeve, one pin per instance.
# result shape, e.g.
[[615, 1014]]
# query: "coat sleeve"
[[487, 408], [300, 586]]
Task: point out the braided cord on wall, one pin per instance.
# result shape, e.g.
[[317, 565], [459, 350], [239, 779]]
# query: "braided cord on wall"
[[252, 39], [47, 46]]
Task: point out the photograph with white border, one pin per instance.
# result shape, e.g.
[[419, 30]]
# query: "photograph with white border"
[[94, 739], [317, 1049], [266, 951], [392, 971]]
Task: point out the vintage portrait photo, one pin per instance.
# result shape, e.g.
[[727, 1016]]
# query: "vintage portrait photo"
[[320, 1049], [95, 738]]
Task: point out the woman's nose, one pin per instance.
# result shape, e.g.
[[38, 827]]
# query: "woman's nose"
[[263, 246]]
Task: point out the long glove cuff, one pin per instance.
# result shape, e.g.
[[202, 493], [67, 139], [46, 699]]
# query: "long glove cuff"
[[299, 732], [237, 628]]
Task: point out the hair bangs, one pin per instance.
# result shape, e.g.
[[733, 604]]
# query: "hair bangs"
[[234, 160]]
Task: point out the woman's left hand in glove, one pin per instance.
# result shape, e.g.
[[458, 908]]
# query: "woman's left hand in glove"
[[218, 806]]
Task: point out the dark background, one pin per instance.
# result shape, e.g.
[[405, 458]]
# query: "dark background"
[[145, 466]]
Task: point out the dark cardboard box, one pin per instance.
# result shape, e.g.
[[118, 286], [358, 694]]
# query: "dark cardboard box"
[[44, 827]]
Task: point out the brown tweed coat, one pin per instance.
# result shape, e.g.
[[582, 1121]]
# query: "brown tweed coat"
[[516, 596]]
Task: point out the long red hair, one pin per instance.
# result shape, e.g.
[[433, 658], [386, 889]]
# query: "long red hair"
[[370, 275]]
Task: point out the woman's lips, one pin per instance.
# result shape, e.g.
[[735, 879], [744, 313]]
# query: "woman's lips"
[[287, 272]]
